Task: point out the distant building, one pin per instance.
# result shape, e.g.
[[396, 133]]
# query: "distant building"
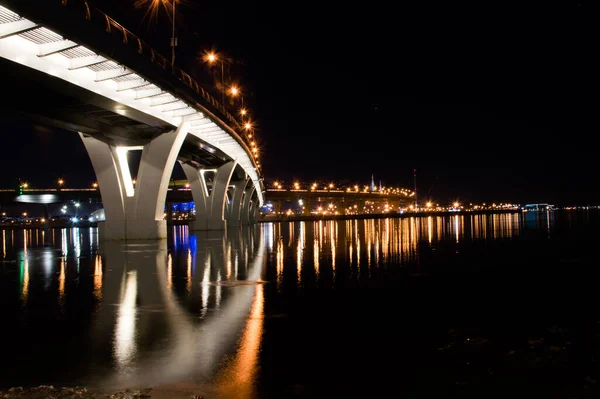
[[372, 188], [538, 207]]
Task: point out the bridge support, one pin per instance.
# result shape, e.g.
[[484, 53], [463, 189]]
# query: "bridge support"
[[254, 212], [134, 213], [235, 210], [210, 207], [245, 216]]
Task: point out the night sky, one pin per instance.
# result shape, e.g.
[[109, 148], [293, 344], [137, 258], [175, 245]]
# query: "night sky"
[[494, 102]]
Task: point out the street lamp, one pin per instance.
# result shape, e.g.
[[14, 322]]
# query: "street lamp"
[[153, 8], [211, 58], [173, 38]]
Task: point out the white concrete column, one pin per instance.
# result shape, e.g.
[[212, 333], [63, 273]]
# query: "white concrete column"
[[246, 205], [146, 218], [198, 187], [134, 214], [210, 209], [254, 212], [110, 182], [234, 213]]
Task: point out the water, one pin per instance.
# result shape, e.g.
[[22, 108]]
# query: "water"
[[455, 306]]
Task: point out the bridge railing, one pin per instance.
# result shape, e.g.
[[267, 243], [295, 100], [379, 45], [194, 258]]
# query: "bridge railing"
[[69, 18], [113, 27]]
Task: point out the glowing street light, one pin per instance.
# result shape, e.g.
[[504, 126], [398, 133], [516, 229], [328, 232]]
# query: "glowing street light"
[[213, 58], [153, 8], [61, 182]]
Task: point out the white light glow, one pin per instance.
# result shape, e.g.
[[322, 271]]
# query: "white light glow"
[[124, 168]]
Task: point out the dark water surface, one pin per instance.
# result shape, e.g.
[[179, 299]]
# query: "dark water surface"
[[484, 306]]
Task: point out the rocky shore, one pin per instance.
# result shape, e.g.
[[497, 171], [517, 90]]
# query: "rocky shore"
[[51, 392]]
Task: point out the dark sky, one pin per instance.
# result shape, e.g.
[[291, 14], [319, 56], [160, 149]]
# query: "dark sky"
[[489, 101]]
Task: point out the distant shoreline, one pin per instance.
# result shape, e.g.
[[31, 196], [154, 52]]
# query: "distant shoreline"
[[301, 218], [310, 218]]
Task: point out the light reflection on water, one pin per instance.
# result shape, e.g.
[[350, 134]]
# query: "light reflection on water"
[[193, 307]]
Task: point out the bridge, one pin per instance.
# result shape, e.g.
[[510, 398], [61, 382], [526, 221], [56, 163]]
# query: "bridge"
[[76, 68], [296, 199], [335, 198]]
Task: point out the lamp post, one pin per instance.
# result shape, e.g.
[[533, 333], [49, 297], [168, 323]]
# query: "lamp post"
[[153, 9], [173, 38], [211, 58]]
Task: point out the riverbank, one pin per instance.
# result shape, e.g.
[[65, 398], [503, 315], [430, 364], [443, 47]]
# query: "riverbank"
[[309, 218], [179, 391], [280, 218]]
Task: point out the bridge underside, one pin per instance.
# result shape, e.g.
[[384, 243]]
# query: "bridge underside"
[[107, 127], [47, 100]]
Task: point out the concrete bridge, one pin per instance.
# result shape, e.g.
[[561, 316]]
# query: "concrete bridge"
[[76, 68], [347, 198]]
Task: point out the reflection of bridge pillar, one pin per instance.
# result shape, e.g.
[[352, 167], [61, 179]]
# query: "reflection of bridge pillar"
[[134, 213], [253, 214], [234, 214], [128, 279], [210, 208], [247, 205]]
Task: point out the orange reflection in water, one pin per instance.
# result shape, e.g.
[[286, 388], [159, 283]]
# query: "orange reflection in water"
[[98, 277], [61, 283], [237, 380], [25, 274], [25, 270]]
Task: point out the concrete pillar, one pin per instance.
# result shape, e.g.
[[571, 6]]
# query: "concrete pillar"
[[135, 214], [210, 209], [108, 174], [277, 207], [234, 214], [254, 212], [246, 204], [308, 203], [156, 166]]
